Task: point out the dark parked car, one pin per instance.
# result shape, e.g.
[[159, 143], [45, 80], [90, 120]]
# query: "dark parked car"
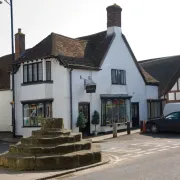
[[170, 122]]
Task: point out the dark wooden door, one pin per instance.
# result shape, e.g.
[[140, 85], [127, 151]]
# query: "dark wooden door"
[[135, 114], [85, 109]]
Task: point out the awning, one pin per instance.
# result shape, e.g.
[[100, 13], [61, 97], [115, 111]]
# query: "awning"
[[115, 96]]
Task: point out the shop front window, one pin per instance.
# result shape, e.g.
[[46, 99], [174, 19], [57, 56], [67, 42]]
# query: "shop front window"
[[34, 112], [113, 110]]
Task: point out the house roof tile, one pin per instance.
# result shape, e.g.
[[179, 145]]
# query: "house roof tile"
[[86, 52], [166, 70]]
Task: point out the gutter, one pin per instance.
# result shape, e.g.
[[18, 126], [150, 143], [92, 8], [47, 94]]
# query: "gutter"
[[71, 107]]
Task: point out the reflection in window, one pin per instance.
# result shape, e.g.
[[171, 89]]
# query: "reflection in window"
[[48, 110], [113, 110], [34, 112], [173, 116]]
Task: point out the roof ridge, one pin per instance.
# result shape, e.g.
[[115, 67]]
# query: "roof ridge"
[[56, 34], [92, 34]]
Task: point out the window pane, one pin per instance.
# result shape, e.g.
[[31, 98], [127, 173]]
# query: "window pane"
[[122, 111], [40, 72], [103, 109], [25, 73], [34, 72], [178, 96], [173, 116], [40, 113], [171, 96], [109, 112], [48, 70], [26, 115], [115, 111], [113, 74], [33, 114], [48, 112], [30, 73]]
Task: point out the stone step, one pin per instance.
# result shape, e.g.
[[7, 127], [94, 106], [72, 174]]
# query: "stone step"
[[60, 149], [51, 132], [39, 141], [67, 161]]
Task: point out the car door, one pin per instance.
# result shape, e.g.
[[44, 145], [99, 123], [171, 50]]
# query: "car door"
[[173, 121]]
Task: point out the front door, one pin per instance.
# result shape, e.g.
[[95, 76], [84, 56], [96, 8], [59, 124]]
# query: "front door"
[[85, 109], [135, 114]]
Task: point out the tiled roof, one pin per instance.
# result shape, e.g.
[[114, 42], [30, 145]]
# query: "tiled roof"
[[86, 52], [166, 70], [146, 76]]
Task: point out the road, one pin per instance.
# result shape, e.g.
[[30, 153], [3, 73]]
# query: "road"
[[137, 157], [3, 147]]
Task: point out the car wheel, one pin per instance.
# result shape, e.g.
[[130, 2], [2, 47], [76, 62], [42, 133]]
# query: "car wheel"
[[154, 128]]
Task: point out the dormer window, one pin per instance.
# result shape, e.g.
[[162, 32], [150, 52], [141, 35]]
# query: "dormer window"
[[32, 72]]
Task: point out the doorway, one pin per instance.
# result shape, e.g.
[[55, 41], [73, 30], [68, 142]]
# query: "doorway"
[[84, 107], [135, 114]]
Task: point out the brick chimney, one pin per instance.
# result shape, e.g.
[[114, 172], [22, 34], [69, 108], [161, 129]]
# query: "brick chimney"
[[113, 18], [19, 43]]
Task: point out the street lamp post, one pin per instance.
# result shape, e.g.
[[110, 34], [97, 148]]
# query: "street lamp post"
[[13, 58]]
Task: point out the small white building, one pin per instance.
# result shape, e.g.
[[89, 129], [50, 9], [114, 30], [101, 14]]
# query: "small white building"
[[62, 76]]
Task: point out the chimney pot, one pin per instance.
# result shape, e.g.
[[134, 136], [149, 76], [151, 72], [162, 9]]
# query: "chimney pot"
[[19, 30]]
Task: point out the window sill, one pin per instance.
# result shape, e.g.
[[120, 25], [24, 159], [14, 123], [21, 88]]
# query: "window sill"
[[31, 126], [119, 84], [38, 82]]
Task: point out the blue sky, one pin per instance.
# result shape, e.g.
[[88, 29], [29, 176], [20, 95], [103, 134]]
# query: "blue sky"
[[151, 26]]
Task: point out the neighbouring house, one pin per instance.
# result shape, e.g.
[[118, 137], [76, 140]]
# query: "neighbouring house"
[[62, 76], [5, 84], [5, 94], [167, 71]]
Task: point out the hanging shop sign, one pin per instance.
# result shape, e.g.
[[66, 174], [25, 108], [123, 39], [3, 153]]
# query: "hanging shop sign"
[[89, 85]]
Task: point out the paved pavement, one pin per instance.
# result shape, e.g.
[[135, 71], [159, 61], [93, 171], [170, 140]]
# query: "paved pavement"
[[137, 157]]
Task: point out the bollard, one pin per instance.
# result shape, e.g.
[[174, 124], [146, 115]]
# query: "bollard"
[[114, 130], [128, 128]]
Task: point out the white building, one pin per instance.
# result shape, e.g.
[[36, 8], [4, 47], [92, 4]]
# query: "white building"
[[53, 79]]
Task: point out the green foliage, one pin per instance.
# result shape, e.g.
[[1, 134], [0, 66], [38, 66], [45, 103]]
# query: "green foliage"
[[95, 119], [81, 121]]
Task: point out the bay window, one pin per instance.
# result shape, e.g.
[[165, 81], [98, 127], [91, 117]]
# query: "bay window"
[[113, 110], [35, 111]]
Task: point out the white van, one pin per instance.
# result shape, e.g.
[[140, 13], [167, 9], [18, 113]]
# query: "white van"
[[170, 108]]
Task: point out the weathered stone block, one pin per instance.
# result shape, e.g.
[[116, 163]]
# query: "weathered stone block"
[[86, 158], [52, 147]]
